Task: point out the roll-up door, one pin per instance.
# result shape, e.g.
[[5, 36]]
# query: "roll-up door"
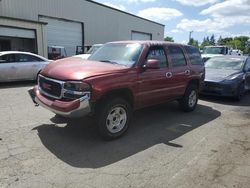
[[67, 34], [140, 36], [16, 32]]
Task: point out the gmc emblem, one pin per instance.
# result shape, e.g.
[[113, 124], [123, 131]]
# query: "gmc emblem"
[[46, 86]]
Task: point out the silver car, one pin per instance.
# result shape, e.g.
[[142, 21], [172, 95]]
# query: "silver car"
[[15, 65]]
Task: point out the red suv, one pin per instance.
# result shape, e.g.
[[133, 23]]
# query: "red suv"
[[119, 78]]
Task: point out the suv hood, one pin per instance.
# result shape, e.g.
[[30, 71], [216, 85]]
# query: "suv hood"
[[75, 68]]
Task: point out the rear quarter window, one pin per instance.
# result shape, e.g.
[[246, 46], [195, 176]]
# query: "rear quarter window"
[[194, 55]]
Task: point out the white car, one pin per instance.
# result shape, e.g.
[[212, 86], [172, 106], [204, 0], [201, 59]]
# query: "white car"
[[92, 50], [17, 66]]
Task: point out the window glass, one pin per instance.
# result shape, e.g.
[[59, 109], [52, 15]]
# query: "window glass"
[[9, 58], [118, 53], [194, 55], [247, 66], [27, 58], [34, 58], [177, 56], [159, 54]]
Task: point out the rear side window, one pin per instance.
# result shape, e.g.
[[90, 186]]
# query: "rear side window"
[[177, 56], [194, 55], [9, 58]]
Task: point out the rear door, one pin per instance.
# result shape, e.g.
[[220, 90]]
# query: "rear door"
[[28, 66], [154, 86], [7, 67], [179, 68]]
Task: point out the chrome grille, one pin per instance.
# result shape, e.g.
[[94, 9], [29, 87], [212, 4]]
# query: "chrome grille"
[[50, 87]]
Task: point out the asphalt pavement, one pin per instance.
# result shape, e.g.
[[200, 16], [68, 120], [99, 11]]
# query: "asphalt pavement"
[[164, 147]]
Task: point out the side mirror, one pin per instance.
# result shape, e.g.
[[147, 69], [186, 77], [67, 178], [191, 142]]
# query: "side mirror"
[[152, 64]]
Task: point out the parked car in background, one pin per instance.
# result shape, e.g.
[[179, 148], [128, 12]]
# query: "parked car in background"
[[92, 50], [236, 52], [212, 51], [56, 52], [16, 65], [227, 76], [119, 78]]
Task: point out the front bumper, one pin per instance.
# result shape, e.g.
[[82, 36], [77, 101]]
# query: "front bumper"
[[220, 89], [73, 109]]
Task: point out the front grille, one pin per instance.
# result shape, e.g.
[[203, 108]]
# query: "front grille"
[[50, 87], [211, 87], [212, 84]]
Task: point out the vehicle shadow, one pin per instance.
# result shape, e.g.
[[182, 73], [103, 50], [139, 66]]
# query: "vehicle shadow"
[[19, 84], [245, 101], [79, 145]]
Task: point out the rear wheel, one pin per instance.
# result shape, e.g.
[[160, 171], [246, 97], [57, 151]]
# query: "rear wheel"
[[113, 118], [190, 98]]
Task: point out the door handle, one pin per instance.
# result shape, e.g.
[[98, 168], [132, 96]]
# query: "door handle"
[[169, 74], [187, 72]]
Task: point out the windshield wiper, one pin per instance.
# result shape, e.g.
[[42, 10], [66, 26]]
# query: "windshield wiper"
[[107, 61]]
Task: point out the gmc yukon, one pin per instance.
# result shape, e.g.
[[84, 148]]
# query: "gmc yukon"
[[119, 78]]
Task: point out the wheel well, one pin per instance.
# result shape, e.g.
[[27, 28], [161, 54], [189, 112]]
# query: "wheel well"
[[194, 82], [125, 94]]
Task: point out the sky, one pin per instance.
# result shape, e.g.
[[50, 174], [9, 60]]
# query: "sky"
[[226, 18]]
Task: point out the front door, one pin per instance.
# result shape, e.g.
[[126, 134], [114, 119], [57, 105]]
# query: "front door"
[[155, 84]]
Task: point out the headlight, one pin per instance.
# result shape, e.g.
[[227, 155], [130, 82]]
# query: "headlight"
[[235, 76], [77, 86]]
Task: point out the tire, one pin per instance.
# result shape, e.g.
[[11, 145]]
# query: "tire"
[[113, 118], [240, 92], [190, 98]]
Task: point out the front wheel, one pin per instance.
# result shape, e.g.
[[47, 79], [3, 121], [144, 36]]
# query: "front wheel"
[[240, 92], [190, 99], [113, 118]]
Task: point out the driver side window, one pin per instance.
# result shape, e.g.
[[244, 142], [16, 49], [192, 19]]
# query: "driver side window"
[[247, 66], [158, 53]]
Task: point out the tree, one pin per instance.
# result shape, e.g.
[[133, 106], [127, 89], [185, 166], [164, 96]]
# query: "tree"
[[170, 39], [194, 43], [205, 42], [219, 42], [212, 40]]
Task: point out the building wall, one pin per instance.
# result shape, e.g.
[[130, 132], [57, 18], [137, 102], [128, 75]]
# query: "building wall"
[[101, 24], [39, 28]]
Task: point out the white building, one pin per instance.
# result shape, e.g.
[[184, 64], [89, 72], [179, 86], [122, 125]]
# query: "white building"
[[33, 25]]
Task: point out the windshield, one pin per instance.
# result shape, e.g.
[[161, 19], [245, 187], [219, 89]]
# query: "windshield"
[[213, 50], [225, 63], [118, 53], [93, 49]]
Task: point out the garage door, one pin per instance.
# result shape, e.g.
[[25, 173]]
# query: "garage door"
[[16, 32], [141, 36], [63, 33]]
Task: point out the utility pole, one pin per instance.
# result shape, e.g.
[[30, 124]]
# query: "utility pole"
[[190, 33]]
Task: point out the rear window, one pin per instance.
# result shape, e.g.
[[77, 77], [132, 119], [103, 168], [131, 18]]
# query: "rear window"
[[194, 55]]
